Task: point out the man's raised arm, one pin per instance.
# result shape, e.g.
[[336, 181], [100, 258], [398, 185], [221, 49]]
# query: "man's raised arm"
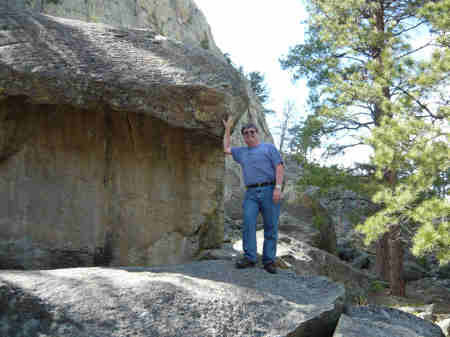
[[227, 137]]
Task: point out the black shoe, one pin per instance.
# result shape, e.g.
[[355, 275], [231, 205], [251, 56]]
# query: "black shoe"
[[244, 263], [270, 268]]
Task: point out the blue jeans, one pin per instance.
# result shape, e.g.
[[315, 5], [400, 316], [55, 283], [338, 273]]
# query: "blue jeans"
[[259, 199]]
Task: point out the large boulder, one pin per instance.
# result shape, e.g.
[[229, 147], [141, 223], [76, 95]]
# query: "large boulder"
[[58, 61], [377, 321], [178, 19], [209, 298], [110, 144]]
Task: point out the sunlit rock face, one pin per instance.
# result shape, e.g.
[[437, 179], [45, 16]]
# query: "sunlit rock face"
[[178, 19], [110, 144]]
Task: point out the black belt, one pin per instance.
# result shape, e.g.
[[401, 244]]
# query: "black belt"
[[262, 184]]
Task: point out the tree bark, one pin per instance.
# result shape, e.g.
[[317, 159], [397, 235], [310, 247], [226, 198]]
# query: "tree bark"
[[396, 262], [382, 257]]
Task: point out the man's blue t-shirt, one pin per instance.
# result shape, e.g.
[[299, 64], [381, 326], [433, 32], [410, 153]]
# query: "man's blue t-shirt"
[[258, 162]]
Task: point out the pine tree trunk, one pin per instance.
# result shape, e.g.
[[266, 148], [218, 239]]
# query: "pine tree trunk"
[[382, 258], [396, 262]]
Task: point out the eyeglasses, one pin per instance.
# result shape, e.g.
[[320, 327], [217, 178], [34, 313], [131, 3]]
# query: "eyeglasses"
[[250, 132]]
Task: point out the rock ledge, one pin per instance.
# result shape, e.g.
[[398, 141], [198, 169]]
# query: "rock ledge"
[[208, 298]]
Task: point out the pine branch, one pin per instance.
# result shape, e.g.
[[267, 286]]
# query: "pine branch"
[[414, 50], [410, 28], [419, 103]]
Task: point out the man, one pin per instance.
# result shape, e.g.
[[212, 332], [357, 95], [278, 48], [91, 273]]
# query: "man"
[[263, 170]]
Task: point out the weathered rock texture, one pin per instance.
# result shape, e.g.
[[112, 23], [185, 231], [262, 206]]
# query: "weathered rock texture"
[[178, 19], [383, 322], [209, 298], [306, 260], [110, 144]]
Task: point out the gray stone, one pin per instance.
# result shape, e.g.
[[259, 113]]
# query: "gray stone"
[[425, 309], [413, 271], [444, 271], [430, 290], [209, 298], [299, 229], [376, 321], [226, 252], [445, 326], [178, 19], [307, 260], [362, 261], [126, 70]]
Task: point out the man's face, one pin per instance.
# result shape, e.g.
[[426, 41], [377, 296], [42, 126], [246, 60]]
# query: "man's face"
[[251, 137]]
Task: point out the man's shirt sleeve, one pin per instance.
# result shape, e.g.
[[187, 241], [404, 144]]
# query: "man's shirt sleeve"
[[236, 153], [275, 156]]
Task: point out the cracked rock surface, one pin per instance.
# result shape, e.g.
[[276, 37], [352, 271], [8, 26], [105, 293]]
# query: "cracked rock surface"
[[377, 321], [54, 60], [209, 298]]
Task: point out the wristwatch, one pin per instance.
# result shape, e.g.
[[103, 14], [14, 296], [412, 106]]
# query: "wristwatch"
[[278, 186]]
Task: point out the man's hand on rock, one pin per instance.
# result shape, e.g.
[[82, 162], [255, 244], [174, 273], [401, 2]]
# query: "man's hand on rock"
[[228, 123]]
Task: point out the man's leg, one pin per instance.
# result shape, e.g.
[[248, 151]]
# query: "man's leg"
[[270, 213], [251, 210]]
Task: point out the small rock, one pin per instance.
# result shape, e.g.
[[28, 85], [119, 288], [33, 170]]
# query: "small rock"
[[445, 326]]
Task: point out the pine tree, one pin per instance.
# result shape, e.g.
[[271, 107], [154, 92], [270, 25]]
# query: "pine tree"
[[259, 85], [367, 80]]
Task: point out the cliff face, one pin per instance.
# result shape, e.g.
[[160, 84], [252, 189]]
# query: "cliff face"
[[88, 187], [178, 19], [110, 143]]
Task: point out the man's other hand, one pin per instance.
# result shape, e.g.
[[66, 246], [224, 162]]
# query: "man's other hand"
[[276, 195]]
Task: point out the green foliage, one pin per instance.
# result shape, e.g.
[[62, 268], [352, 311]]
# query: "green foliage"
[[434, 11], [421, 152], [205, 42], [366, 84], [257, 82], [259, 86], [305, 136], [332, 178], [377, 286], [361, 300], [318, 221], [228, 58]]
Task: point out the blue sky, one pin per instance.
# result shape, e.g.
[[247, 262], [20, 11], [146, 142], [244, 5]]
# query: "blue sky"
[[256, 33]]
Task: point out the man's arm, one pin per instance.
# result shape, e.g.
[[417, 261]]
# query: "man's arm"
[[279, 172], [227, 137]]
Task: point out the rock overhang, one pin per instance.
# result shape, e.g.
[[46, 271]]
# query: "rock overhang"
[[52, 60]]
